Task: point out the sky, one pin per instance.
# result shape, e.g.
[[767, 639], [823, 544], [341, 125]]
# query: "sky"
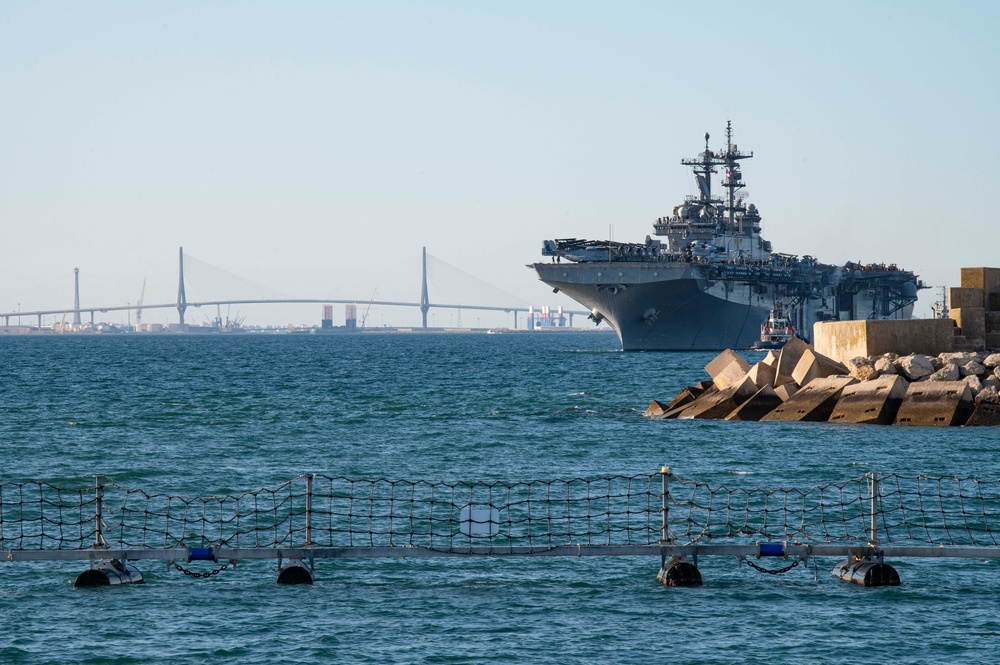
[[313, 148]]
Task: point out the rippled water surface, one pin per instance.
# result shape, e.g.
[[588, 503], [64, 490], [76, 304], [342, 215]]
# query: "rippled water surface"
[[199, 415]]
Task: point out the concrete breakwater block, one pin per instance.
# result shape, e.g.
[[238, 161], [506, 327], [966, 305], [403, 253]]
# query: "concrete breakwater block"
[[936, 403], [873, 402], [788, 358], [727, 368], [813, 402], [762, 375], [655, 409], [814, 365], [687, 395], [720, 404], [762, 403], [786, 390], [843, 340], [986, 414], [684, 405]]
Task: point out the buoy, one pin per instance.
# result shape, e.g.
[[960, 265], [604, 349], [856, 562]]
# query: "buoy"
[[866, 572], [106, 573], [679, 572], [295, 572], [201, 554]]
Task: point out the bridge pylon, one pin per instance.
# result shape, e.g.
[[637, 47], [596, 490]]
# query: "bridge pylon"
[[76, 298], [181, 297], [425, 304]]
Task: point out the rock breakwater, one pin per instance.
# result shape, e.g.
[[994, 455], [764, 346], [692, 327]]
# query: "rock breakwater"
[[797, 383]]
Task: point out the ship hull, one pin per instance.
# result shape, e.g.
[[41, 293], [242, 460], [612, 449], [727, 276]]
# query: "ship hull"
[[658, 308], [674, 307]]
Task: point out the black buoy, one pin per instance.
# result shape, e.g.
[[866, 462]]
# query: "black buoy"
[[866, 572], [679, 572], [107, 573], [91, 578], [295, 572]]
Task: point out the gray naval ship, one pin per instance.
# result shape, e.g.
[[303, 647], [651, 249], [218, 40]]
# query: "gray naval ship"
[[714, 281]]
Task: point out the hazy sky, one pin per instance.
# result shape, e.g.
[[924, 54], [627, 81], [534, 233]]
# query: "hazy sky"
[[314, 148]]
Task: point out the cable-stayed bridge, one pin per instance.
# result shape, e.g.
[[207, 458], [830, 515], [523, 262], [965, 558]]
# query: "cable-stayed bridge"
[[201, 284]]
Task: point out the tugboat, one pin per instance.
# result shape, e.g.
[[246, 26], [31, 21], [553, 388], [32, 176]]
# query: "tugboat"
[[776, 330]]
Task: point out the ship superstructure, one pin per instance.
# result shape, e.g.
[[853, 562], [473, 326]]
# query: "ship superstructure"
[[714, 281]]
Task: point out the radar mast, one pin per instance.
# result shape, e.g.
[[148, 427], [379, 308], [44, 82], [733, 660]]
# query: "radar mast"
[[734, 178], [703, 167]]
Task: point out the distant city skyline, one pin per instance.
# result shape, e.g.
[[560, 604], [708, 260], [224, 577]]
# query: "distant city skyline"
[[314, 148]]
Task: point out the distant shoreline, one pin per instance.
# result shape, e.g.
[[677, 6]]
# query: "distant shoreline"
[[201, 331]]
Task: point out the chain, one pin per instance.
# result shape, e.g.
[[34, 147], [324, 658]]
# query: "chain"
[[207, 574], [777, 571]]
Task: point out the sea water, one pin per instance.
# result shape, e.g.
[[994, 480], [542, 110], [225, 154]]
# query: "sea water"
[[213, 414]]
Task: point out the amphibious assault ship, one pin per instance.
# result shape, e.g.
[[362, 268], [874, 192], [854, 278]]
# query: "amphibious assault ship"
[[714, 281]]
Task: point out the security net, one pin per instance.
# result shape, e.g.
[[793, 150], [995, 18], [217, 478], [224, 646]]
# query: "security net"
[[522, 517]]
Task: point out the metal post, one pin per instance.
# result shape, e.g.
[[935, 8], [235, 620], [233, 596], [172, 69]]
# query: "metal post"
[[98, 518], [665, 475], [873, 537], [309, 507]]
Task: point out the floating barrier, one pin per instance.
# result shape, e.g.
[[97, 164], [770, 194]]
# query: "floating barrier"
[[106, 573], [679, 572], [863, 521], [294, 572], [866, 571]]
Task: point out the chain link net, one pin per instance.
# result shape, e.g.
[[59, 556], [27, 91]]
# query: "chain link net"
[[536, 515]]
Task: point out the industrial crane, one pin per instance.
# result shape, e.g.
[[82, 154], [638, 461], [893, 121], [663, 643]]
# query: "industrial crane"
[[370, 300]]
